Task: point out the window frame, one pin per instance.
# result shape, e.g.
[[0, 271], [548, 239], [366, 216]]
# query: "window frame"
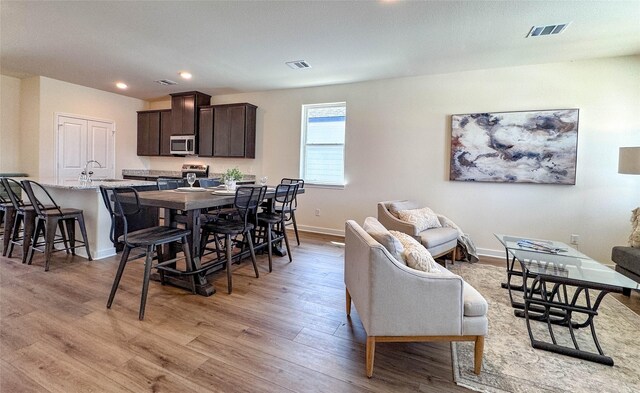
[[303, 145]]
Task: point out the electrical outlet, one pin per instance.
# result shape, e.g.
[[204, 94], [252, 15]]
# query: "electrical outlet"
[[574, 239], [317, 212]]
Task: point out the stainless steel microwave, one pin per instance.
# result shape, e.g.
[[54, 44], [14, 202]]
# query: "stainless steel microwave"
[[183, 144]]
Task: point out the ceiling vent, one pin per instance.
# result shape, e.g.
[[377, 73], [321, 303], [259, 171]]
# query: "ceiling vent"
[[166, 82], [547, 30], [298, 64]]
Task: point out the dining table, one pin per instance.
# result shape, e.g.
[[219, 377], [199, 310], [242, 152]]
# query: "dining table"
[[188, 208]]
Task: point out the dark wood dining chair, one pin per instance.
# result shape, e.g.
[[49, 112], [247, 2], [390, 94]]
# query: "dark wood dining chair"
[[273, 221], [246, 202], [291, 214], [21, 219], [50, 217], [150, 239], [170, 184], [208, 183]]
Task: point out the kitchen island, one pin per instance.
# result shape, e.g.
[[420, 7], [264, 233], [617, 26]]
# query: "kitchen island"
[[86, 196]]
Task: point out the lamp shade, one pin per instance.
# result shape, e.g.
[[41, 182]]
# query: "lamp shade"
[[629, 160]]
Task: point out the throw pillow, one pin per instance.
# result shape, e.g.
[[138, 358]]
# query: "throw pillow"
[[395, 206], [380, 234], [634, 238], [416, 255], [423, 218]]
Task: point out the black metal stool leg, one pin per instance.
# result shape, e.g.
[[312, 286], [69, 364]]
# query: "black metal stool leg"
[[228, 245], [145, 281], [83, 230], [116, 280], [50, 226]]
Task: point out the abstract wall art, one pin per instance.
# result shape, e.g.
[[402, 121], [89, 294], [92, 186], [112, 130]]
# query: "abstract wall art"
[[515, 147]]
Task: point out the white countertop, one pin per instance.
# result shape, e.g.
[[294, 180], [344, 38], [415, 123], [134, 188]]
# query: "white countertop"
[[77, 185]]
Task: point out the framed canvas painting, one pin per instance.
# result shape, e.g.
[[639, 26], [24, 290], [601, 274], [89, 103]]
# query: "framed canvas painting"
[[515, 147]]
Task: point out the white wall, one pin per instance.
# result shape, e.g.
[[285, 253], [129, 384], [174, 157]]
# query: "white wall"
[[29, 131], [58, 96], [9, 124], [398, 145]]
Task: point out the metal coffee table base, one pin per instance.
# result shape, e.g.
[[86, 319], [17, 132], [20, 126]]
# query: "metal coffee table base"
[[556, 307]]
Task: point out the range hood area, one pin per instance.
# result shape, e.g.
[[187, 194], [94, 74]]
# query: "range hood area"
[[227, 130]]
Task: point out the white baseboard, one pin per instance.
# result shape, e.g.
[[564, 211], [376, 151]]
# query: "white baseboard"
[[324, 231], [487, 252], [100, 254]]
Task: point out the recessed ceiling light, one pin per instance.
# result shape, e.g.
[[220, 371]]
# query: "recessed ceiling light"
[[121, 85], [185, 75]]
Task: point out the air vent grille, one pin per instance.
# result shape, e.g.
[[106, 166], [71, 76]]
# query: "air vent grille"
[[298, 64], [166, 82], [537, 31]]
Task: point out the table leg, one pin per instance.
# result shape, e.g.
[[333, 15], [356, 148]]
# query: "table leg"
[[568, 307], [193, 223]]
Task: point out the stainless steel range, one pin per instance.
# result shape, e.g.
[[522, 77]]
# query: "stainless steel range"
[[198, 169]]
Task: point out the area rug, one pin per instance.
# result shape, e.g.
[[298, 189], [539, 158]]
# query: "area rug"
[[510, 364]]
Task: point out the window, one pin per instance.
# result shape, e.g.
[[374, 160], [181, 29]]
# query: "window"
[[322, 151]]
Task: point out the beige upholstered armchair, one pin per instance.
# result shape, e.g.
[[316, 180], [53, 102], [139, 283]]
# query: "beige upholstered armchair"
[[400, 304], [438, 241]]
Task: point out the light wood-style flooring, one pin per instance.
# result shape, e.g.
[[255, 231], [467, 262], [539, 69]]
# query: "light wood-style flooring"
[[285, 331]]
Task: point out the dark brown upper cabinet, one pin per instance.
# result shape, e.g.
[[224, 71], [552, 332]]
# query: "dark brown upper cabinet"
[[154, 130], [148, 133], [228, 131], [184, 111], [165, 132]]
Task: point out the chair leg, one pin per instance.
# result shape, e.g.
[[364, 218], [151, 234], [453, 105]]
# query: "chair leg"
[[477, 354], [204, 238], [116, 280], [189, 262], [145, 281], [50, 226], [71, 235], [286, 242], [34, 242], [269, 247], [15, 233], [227, 246], [348, 301], [83, 230], [9, 219], [295, 226], [253, 253], [27, 232], [370, 352]]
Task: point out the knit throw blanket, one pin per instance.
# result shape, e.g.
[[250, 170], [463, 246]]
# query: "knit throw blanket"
[[465, 244]]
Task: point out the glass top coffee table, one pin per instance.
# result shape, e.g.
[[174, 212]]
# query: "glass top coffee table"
[[560, 283]]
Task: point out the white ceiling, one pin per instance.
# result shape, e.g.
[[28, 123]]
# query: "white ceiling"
[[239, 46]]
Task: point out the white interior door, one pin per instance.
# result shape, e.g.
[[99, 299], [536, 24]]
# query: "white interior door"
[[100, 148], [81, 140]]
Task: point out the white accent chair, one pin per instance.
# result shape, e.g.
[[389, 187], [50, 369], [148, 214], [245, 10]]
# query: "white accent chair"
[[400, 304], [438, 241]]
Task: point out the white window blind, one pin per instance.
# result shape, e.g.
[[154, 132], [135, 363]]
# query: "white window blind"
[[323, 135]]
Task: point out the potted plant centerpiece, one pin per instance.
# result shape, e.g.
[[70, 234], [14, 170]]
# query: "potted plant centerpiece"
[[231, 176]]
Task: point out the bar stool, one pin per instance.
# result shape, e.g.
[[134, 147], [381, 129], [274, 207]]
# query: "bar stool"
[[272, 219], [230, 226], [6, 219], [20, 218], [48, 219], [149, 238]]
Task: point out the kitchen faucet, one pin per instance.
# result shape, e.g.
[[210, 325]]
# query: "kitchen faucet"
[[85, 176]]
